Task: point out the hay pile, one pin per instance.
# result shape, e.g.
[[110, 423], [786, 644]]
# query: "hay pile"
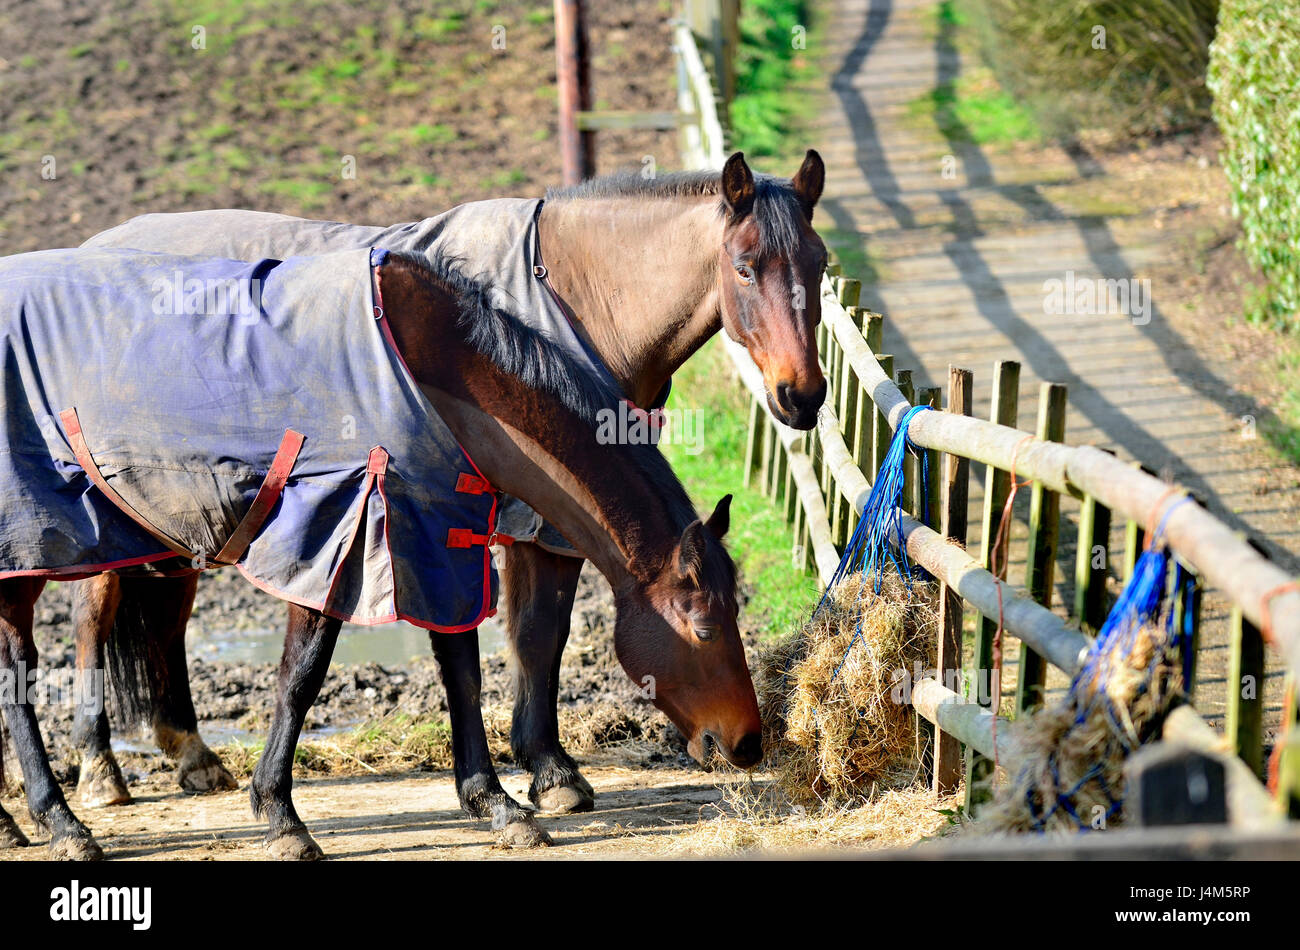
[[834, 736], [1071, 755]]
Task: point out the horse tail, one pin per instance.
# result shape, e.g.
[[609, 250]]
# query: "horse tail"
[[134, 657]]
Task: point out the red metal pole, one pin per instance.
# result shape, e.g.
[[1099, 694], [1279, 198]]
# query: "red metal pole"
[[573, 77]]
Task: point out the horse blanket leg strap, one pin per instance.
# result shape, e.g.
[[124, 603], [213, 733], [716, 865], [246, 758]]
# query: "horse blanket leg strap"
[[267, 496], [72, 426]]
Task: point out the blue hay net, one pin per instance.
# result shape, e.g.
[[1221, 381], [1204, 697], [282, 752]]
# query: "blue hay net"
[[871, 549], [1143, 603]]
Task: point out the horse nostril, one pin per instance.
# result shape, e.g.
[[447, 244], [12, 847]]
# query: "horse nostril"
[[783, 397], [749, 750]]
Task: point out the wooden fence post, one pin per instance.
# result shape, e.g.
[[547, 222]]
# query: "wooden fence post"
[[1244, 712], [754, 440], [997, 485], [1092, 564], [1040, 555], [908, 390], [929, 494], [881, 425], [955, 479], [573, 82]]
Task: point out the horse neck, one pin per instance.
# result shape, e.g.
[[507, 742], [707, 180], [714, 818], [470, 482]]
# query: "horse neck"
[[527, 444], [640, 275]]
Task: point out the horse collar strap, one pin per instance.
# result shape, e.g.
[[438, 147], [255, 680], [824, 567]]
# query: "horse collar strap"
[[159, 406]]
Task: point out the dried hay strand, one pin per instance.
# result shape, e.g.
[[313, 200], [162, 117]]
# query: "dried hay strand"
[[1070, 756], [833, 697], [755, 817], [605, 732]]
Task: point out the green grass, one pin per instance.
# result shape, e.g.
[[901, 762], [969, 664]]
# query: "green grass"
[[760, 541], [975, 109], [769, 109]]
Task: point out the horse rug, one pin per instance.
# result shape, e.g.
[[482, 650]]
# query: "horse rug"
[[493, 243], [232, 412]]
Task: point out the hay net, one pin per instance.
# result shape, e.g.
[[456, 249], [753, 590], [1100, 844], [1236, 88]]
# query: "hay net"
[[830, 693], [1072, 775]]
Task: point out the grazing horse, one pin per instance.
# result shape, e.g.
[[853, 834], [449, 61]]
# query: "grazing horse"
[[517, 402], [646, 271]]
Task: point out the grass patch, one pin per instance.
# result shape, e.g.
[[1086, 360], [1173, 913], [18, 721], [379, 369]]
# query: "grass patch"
[[781, 597], [976, 109], [771, 66]]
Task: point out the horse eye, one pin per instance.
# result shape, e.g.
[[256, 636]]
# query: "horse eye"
[[707, 631], [745, 273]]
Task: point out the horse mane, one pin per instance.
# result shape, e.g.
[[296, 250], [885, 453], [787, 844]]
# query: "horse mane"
[[777, 208], [541, 365]]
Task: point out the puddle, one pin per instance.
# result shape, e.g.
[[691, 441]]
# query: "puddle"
[[389, 644]]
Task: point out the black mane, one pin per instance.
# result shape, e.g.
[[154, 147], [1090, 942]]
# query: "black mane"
[[777, 208]]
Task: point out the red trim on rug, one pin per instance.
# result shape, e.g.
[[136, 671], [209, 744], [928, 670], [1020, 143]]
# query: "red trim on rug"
[[77, 572]]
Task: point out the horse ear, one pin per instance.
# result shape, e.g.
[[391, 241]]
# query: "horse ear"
[[738, 186], [720, 520], [809, 181], [690, 550]]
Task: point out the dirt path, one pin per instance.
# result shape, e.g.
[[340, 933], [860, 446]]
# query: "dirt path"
[[413, 817], [961, 263]]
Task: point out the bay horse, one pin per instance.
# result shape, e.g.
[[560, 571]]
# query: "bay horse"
[[649, 269], [527, 415]]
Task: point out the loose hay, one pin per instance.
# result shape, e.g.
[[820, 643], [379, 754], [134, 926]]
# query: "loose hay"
[[603, 732], [1070, 756], [834, 718]]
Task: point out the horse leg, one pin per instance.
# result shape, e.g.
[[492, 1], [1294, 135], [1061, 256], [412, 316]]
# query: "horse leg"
[[11, 836], [94, 604], [168, 604], [477, 785], [69, 838], [540, 587], [308, 646]]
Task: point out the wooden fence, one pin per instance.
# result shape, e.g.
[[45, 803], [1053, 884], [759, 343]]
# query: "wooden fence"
[[821, 480]]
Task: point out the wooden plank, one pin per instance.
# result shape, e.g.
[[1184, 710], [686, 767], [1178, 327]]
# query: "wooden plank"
[[1288, 766], [1040, 555], [619, 119], [1244, 712], [997, 485], [955, 482]]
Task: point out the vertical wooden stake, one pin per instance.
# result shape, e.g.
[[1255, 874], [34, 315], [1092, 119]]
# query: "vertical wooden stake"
[[881, 425], [1092, 564], [1040, 556], [997, 484], [906, 387], [754, 440], [955, 479], [874, 331], [1244, 713], [930, 504], [573, 79]]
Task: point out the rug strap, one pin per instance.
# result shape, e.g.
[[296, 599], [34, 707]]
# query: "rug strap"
[[72, 426], [267, 496]]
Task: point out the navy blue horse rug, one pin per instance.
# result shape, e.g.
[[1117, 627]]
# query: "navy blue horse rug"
[[229, 412]]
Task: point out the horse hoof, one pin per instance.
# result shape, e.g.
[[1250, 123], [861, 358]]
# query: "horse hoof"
[[294, 846], [566, 799], [11, 836], [75, 848], [200, 770], [101, 783], [524, 833]]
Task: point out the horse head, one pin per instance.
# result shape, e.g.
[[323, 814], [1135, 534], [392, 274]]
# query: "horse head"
[[769, 273], [676, 636]]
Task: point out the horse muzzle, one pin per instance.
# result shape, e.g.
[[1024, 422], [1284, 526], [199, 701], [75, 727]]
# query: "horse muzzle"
[[796, 408]]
